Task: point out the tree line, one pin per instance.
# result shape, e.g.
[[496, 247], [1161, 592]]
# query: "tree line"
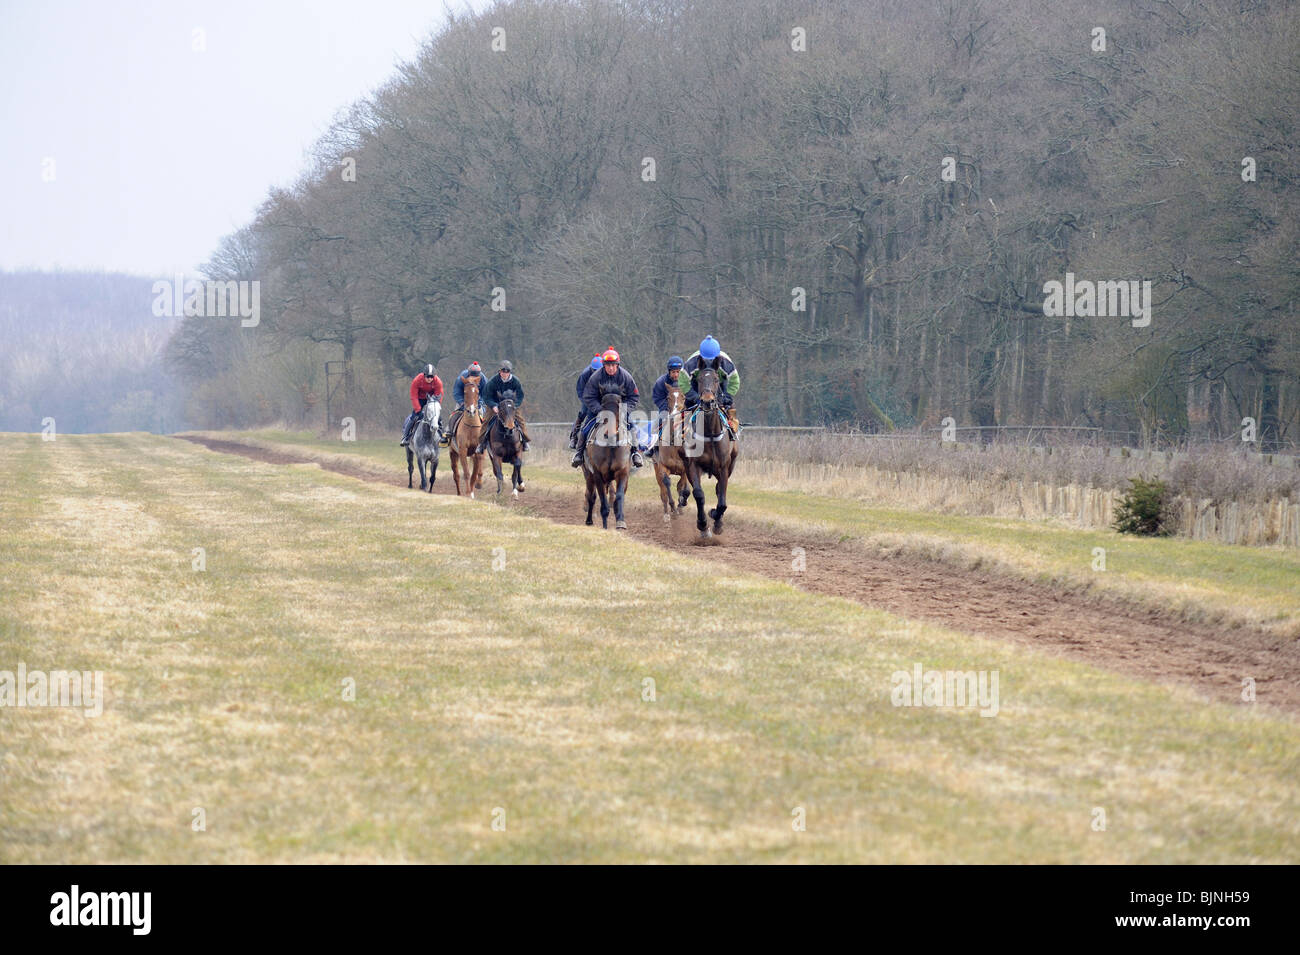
[[861, 199]]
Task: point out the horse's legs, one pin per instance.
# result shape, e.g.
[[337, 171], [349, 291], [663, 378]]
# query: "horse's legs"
[[433, 474], [419, 459], [721, 490], [665, 491], [604, 503], [591, 499], [516, 478], [410, 467], [697, 492], [619, 523], [496, 472], [454, 458]]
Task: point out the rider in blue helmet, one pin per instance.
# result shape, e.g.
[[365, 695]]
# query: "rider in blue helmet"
[[711, 355], [583, 378], [659, 395]]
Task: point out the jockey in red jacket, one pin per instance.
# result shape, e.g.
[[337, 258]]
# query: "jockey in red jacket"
[[423, 386]]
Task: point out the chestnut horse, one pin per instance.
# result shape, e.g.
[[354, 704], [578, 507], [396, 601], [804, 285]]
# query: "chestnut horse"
[[669, 459], [466, 432]]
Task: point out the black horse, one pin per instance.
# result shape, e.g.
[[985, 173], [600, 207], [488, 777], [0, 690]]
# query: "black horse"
[[424, 445], [505, 443], [607, 461], [709, 450]]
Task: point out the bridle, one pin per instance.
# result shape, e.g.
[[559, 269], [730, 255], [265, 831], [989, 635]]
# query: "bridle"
[[710, 405]]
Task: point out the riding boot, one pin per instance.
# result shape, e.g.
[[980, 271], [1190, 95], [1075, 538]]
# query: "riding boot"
[[577, 454], [406, 431]]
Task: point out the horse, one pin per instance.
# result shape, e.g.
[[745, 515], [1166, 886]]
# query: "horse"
[[709, 450], [607, 461], [669, 459], [424, 440], [506, 444], [466, 432]]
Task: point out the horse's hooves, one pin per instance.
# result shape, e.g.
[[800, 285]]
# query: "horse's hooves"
[[590, 522], [471, 495], [515, 492], [521, 486], [667, 517], [621, 525]]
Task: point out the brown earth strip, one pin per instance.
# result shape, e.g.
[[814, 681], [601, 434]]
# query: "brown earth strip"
[[1103, 631]]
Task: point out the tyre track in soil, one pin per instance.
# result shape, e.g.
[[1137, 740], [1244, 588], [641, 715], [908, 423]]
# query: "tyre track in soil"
[[1100, 630]]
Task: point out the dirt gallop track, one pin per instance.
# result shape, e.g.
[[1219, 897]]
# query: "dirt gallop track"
[[1098, 630]]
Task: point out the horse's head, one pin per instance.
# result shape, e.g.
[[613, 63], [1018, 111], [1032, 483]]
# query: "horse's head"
[[707, 386], [506, 412], [609, 422], [676, 400], [433, 411], [471, 397]]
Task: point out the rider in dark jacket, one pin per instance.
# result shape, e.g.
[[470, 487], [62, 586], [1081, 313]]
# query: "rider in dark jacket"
[[611, 379], [582, 410], [503, 384], [660, 393]]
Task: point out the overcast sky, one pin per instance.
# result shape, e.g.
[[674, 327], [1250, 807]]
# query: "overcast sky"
[[158, 148]]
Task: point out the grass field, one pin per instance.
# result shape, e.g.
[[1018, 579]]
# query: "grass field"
[[512, 684]]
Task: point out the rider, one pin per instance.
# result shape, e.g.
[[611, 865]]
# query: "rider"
[[473, 373], [711, 355], [612, 379], [582, 409], [503, 384], [659, 394], [423, 385]]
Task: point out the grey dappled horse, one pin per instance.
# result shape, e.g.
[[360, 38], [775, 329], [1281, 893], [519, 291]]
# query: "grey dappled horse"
[[424, 445]]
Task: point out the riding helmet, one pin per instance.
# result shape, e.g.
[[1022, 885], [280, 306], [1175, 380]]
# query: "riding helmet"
[[675, 362], [610, 355], [709, 348], [506, 366], [595, 363], [430, 371]]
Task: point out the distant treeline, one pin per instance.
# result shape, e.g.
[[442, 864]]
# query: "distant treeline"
[[85, 349], [862, 199]]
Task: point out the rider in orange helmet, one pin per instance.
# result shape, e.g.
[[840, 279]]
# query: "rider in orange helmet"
[[611, 379]]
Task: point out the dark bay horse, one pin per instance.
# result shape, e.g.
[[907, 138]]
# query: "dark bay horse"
[[506, 444], [424, 445], [607, 461], [466, 432], [709, 450], [669, 457]]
